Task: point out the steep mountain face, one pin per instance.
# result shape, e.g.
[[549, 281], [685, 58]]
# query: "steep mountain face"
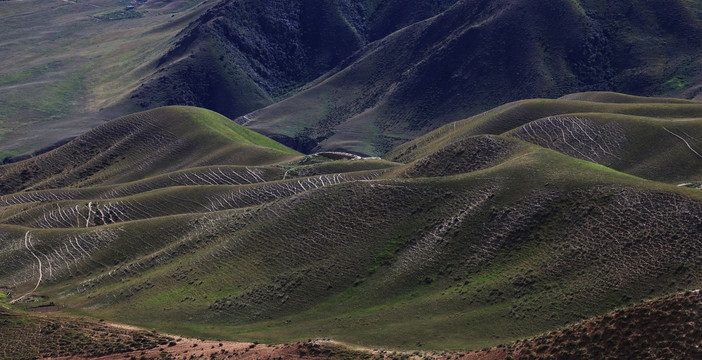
[[243, 55], [479, 54], [466, 241], [238, 57]]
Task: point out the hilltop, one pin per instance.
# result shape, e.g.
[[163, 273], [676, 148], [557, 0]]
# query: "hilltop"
[[463, 239], [143, 145], [652, 138]]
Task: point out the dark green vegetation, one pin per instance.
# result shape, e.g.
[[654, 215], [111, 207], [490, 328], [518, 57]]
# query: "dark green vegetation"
[[502, 226]]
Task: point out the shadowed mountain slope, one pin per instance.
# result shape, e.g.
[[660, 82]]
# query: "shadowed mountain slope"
[[480, 54], [475, 241], [243, 55], [69, 66], [360, 76]]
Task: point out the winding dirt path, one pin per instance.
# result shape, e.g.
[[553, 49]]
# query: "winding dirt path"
[[685, 141], [27, 243]]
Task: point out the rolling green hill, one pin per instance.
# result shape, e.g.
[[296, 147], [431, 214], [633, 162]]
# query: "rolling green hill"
[[653, 138], [518, 194], [469, 241], [142, 145]]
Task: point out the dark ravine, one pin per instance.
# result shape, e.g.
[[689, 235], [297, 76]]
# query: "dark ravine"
[[302, 144]]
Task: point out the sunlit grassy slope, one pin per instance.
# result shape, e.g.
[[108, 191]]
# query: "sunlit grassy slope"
[[654, 138], [469, 241], [145, 144]]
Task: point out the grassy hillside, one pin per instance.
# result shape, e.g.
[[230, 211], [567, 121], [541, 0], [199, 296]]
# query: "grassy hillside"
[[382, 257], [475, 241], [31, 336], [647, 137], [477, 55], [664, 327], [142, 145]]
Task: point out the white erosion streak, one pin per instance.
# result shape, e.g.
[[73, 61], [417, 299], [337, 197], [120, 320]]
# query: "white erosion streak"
[[27, 243], [685, 141]]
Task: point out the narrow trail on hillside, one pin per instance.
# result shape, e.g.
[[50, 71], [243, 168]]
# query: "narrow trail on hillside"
[[27, 244], [685, 141]]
